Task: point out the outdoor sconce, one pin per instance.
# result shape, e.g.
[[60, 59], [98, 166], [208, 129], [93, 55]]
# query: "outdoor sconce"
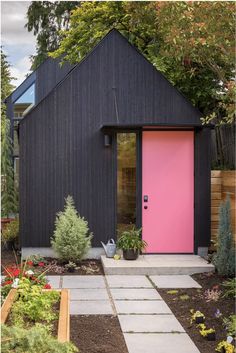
[[107, 140]]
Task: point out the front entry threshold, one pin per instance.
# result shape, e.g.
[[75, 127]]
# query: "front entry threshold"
[[157, 265]]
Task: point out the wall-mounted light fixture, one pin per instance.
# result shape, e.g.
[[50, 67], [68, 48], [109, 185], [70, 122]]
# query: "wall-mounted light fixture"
[[107, 140]]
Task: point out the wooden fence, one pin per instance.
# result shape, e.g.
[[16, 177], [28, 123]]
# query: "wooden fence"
[[222, 183]]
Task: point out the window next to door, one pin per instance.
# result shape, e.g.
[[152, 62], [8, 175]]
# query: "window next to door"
[[126, 181]]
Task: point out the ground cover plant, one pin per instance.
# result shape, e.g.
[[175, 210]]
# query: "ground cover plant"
[[33, 340], [216, 316]]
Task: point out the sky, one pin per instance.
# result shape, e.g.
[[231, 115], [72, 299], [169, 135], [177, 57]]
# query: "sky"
[[17, 42]]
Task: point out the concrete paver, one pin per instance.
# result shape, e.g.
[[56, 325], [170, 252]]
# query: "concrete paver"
[[161, 343], [150, 323], [89, 294], [90, 307], [123, 281], [54, 281], [83, 282], [135, 294], [142, 307], [174, 281]]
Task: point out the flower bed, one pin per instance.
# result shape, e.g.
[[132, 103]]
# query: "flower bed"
[[63, 334]]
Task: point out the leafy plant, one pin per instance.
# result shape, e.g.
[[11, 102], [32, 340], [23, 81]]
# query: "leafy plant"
[[224, 260], [184, 297], [70, 266], [72, 239], [224, 346], [37, 259], [33, 340], [196, 315], [204, 331], [230, 286], [172, 291], [230, 325], [11, 231], [212, 295], [130, 239], [33, 305]]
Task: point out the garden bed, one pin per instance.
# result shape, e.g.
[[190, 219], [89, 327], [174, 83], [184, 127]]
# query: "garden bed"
[[97, 334], [184, 300], [63, 333]]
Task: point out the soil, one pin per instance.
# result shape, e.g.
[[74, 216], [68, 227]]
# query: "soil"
[[97, 334], [86, 267], [8, 257], [181, 308]]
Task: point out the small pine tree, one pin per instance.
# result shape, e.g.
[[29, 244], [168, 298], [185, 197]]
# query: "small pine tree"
[[224, 259], [72, 239]]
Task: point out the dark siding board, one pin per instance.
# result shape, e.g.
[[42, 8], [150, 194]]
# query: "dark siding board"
[[62, 144], [202, 194]]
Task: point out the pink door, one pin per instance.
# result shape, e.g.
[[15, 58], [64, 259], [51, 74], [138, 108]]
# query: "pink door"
[[168, 191]]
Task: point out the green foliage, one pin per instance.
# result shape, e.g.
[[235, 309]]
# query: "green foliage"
[[224, 260], [172, 291], [8, 191], [230, 286], [184, 297], [192, 43], [230, 325], [46, 19], [33, 340], [11, 231], [131, 239], [33, 305], [72, 239], [36, 259]]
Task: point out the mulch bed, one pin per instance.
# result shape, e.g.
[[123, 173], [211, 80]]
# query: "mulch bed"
[[97, 334], [181, 308], [86, 267]]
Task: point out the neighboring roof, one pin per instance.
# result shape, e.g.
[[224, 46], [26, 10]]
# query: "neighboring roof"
[[117, 36]]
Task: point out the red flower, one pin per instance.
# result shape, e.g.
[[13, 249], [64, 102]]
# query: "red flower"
[[47, 286], [12, 272], [41, 264], [30, 263], [6, 283]]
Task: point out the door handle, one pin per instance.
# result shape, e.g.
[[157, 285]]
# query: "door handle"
[[145, 207]]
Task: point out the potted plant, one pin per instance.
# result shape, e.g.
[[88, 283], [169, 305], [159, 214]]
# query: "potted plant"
[[70, 267], [209, 334], [197, 317], [10, 234], [131, 243]]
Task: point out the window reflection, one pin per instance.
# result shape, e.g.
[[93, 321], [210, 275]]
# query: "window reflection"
[[126, 181]]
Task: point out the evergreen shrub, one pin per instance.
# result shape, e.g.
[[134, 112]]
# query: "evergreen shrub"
[[72, 239]]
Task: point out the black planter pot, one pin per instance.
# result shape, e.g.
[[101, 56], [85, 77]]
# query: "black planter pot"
[[71, 269], [130, 254], [10, 245], [211, 336], [199, 319]]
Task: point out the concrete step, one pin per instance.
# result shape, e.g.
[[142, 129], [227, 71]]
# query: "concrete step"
[[157, 265]]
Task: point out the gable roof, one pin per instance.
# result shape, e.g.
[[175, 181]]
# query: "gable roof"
[[173, 101]]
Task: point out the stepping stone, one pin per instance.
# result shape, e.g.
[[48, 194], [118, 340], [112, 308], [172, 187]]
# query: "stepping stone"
[[54, 281], [159, 342], [135, 294], [83, 282], [142, 307], [174, 281], [91, 307], [150, 323], [89, 294], [126, 281]]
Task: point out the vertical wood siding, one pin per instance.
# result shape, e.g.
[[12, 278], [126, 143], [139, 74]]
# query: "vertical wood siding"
[[62, 147]]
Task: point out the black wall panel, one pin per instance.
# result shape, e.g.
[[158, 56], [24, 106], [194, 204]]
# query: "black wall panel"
[[62, 146]]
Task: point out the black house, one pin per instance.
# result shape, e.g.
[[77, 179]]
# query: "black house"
[[128, 146]]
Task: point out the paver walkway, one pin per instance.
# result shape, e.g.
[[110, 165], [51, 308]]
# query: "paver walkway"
[[148, 324]]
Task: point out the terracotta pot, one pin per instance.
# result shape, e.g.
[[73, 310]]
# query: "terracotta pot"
[[130, 254]]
